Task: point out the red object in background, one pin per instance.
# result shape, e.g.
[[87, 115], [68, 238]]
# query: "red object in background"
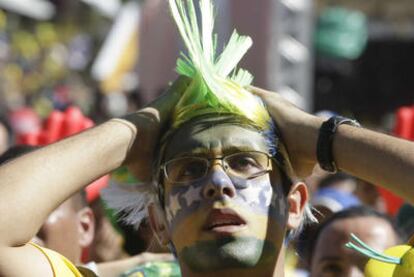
[[393, 202], [57, 126], [92, 191], [404, 128], [404, 123], [25, 121]]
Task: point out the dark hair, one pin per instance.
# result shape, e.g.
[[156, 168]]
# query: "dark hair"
[[79, 199], [335, 178], [405, 219], [353, 212], [15, 152]]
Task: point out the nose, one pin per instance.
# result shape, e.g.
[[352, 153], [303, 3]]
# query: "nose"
[[219, 185]]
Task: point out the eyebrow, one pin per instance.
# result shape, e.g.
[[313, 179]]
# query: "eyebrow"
[[202, 151]]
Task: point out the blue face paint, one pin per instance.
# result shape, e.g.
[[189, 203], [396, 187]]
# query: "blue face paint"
[[278, 207], [256, 195]]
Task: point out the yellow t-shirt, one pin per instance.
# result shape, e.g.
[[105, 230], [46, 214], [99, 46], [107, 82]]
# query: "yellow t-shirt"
[[61, 266]]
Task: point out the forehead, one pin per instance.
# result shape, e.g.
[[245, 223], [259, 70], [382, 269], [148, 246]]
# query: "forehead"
[[214, 139], [374, 231]]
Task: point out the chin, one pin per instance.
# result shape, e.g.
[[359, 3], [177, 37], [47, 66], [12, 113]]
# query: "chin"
[[227, 253]]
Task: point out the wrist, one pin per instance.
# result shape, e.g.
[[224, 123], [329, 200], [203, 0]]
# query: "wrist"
[[305, 136], [327, 132]]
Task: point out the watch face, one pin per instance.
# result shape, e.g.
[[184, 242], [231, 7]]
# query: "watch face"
[[339, 120]]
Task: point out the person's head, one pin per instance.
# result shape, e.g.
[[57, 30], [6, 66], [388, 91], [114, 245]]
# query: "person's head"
[[340, 181], [334, 193], [69, 228], [328, 255], [226, 201]]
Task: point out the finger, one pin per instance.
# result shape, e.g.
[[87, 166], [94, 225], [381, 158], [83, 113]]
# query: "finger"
[[257, 91], [180, 85], [173, 93], [166, 103]]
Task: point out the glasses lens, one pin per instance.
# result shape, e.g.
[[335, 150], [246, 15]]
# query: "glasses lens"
[[247, 164], [186, 169]]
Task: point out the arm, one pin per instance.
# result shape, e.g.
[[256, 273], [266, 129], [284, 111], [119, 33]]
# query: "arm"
[[34, 185], [375, 157]]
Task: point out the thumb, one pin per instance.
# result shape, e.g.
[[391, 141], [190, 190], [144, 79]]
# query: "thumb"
[[173, 94], [257, 91]]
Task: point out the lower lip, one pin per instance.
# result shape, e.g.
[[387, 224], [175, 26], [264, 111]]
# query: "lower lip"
[[227, 229]]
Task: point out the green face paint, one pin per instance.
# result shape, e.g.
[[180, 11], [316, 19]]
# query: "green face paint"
[[228, 253]]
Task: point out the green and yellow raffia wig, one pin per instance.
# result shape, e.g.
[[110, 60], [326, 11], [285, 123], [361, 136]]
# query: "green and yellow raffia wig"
[[217, 87]]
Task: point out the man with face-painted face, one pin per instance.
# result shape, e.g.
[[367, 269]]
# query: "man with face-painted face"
[[226, 204], [222, 194], [226, 196]]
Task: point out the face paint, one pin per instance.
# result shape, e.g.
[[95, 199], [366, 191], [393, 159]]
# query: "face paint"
[[255, 194], [278, 206], [260, 204], [202, 257]]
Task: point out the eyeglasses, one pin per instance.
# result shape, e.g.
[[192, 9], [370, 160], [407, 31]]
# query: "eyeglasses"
[[246, 165]]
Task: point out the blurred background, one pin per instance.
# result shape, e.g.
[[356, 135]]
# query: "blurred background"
[[111, 57]]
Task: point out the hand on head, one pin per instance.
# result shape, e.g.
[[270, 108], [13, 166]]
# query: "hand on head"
[[150, 121], [294, 125]]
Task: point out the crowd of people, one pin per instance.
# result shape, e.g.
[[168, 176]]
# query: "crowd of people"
[[233, 181]]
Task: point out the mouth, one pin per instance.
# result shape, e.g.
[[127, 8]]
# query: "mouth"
[[224, 222]]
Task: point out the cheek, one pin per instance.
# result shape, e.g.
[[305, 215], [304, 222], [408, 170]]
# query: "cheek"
[[182, 201], [58, 228], [255, 194], [60, 220], [262, 198], [278, 208]]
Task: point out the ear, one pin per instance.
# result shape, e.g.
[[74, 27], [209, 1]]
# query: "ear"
[[297, 199], [86, 226], [158, 224]]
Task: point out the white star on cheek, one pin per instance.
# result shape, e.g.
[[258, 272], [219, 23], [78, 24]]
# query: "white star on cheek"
[[191, 195], [252, 195], [174, 205]]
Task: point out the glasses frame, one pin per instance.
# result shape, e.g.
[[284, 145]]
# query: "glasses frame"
[[225, 168]]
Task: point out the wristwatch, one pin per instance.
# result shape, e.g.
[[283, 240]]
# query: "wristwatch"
[[325, 140]]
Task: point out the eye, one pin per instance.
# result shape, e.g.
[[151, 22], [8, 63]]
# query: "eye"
[[243, 163], [193, 168], [187, 169]]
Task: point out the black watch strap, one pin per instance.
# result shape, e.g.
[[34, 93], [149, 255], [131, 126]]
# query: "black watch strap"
[[327, 131]]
